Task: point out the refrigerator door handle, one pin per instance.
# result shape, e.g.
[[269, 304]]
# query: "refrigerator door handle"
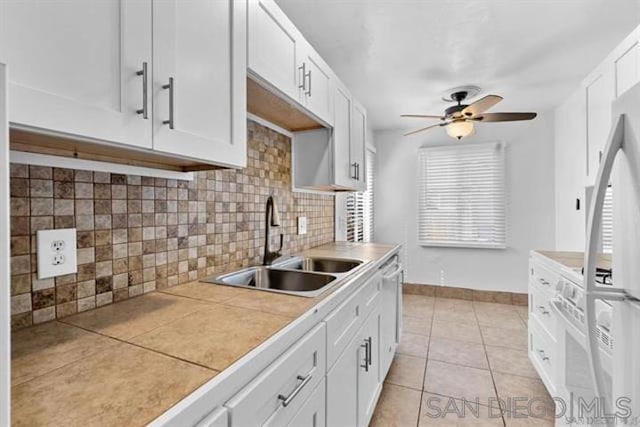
[[614, 144]]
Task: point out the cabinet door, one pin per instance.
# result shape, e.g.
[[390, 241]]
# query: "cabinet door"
[[200, 47], [316, 90], [342, 386], [626, 59], [312, 414], [274, 47], [357, 146], [344, 171], [599, 92], [74, 67], [388, 324], [369, 380]]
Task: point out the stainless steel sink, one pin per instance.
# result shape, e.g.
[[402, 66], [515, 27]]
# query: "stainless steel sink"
[[323, 265], [273, 279]]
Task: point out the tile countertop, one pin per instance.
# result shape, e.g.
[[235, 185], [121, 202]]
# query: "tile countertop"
[[574, 259], [127, 363]]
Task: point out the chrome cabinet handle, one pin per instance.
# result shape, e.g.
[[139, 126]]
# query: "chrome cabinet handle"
[[543, 281], [303, 69], [286, 400], [543, 310], [366, 355], [355, 170], [171, 89], [145, 95], [370, 351], [309, 76], [542, 354]]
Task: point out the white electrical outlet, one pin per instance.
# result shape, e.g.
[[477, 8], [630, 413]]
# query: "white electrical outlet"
[[302, 225], [57, 254]]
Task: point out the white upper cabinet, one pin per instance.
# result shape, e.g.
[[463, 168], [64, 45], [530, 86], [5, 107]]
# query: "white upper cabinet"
[[626, 60], [357, 145], [100, 71], [343, 170], [74, 67], [280, 56], [316, 89], [199, 58], [599, 93], [274, 46]]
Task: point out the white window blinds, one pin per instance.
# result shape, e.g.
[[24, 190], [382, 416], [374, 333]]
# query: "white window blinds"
[[369, 196], [607, 222], [462, 196], [360, 220]]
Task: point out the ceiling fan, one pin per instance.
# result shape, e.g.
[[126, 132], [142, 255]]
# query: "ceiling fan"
[[459, 119]]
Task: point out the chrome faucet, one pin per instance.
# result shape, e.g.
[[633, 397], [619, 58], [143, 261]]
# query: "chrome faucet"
[[271, 219]]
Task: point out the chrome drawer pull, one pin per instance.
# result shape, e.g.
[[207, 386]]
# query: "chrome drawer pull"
[[543, 310], [286, 400], [542, 355], [366, 355]]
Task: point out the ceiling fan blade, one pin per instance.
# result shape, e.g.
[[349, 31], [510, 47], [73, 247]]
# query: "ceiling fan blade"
[[481, 105], [426, 128], [423, 116], [505, 117]]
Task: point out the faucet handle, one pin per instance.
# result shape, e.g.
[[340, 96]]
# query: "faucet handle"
[[281, 242]]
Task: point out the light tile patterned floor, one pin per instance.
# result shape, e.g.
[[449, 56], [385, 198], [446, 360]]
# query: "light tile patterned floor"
[[455, 349]]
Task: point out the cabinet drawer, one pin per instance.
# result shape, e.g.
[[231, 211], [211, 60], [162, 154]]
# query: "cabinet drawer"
[[542, 277], [278, 393], [345, 320], [540, 309], [542, 353]]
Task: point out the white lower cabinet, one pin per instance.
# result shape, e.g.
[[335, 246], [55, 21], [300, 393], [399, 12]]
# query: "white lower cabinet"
[[278, 393], [353, 384], [330, 377]]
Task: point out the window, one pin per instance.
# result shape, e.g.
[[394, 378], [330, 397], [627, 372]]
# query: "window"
[[461, 200], [360, 216], [607, 222]]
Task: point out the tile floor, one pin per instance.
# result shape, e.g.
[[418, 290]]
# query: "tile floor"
[[455, 349]]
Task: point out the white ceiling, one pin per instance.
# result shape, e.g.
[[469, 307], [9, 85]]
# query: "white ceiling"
[[399, 56]]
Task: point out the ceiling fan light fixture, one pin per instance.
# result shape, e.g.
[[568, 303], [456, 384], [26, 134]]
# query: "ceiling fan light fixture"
[[460, 129]]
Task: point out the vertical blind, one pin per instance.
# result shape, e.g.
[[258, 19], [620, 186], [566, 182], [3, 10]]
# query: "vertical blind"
[[360, 205], [462, 196], [607, 221]]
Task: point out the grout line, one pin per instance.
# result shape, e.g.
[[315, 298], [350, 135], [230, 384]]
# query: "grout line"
[[121, 340], [486, 355], [426, 359]]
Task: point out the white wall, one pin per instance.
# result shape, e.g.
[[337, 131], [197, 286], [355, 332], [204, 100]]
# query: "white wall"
[[530, 216], [570, 172]]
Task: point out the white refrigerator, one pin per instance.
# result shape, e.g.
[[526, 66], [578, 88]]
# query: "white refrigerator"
[[620, 167]]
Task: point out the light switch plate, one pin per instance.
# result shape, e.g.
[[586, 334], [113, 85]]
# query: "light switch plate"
[[302, 225], [57, 253]]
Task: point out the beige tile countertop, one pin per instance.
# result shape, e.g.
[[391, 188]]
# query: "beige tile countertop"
[[127, 363], [574, 259]]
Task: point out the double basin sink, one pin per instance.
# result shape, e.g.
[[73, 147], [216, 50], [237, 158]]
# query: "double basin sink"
[[302, 276]]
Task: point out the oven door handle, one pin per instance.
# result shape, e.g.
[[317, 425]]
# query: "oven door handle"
[[395, 273]]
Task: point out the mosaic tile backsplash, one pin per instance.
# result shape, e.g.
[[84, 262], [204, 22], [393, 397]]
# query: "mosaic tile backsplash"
[[137, 234]]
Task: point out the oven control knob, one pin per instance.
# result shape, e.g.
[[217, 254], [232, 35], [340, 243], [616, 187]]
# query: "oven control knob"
[[580, 302], [559, 286]]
